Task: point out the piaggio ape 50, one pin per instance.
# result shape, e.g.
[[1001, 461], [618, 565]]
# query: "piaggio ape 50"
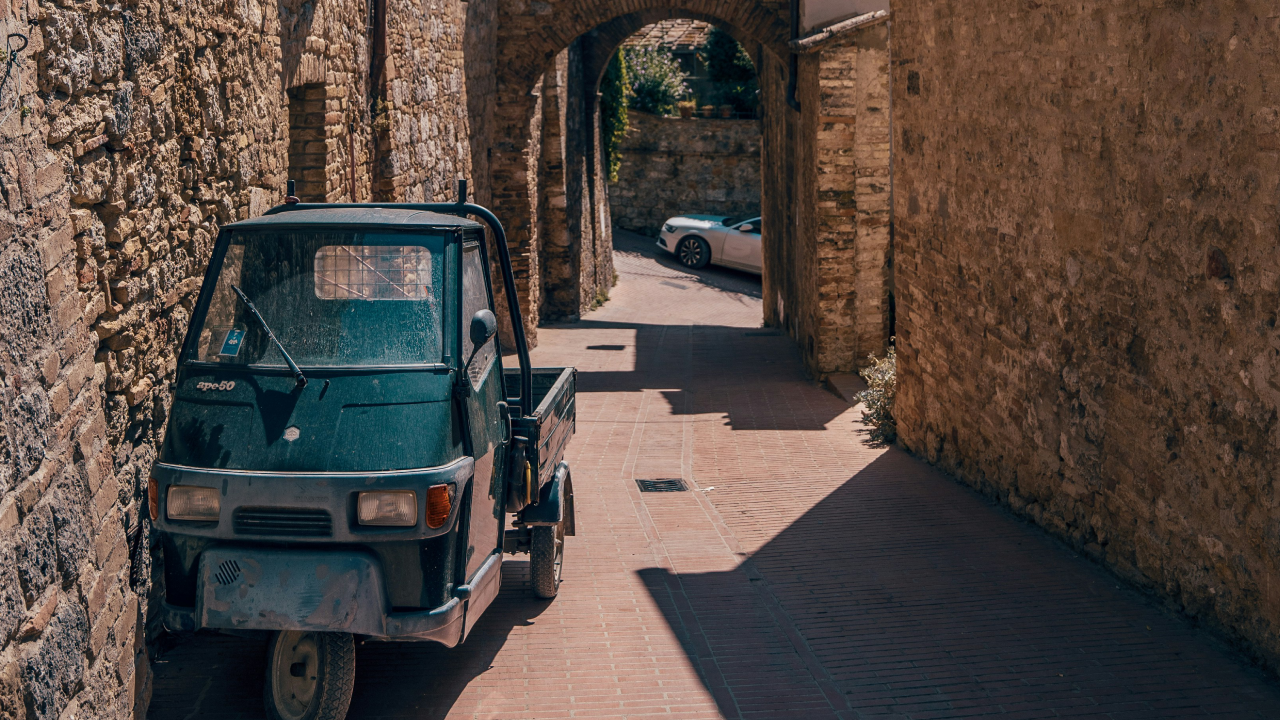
[[345, 446]]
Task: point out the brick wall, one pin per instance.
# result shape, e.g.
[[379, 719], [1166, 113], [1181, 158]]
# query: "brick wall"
[[1086, 267], [674, 166], [826, 208]]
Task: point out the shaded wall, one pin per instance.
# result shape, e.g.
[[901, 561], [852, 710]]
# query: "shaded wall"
[[675, 166], [1087, 277], [575, 235]]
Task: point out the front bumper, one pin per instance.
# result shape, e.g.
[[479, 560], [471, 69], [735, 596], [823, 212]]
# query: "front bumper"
[[666, 241], [320, 591]]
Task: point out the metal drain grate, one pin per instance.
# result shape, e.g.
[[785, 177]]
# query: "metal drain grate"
[[662, 485], [677, 286]]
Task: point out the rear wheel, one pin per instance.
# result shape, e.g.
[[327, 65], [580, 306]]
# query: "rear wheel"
[[693, 252], [546, 559], [309, 675]]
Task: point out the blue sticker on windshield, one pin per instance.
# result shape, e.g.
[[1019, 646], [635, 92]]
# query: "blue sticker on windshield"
[[231, 344]]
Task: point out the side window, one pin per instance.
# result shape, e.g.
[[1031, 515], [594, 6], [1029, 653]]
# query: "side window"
[[475, 297]]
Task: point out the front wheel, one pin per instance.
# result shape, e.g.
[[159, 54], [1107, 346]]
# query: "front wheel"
[[693, 252], [309, 675], [546, 559]]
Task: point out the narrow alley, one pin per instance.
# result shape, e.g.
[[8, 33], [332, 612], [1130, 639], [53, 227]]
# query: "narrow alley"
[[804, 574]]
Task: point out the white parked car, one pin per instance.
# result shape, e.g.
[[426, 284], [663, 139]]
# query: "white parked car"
[[700, 240]]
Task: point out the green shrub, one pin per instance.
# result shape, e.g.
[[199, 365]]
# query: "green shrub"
[[613, 112], [882, 386], [730, 68], [656, 80]]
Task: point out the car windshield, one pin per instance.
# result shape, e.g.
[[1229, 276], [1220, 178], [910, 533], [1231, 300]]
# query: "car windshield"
[[333, 298]]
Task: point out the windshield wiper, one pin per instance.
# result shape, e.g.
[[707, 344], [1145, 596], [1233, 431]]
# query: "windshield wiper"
[[297, 374]]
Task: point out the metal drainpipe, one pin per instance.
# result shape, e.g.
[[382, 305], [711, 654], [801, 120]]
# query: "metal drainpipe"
[[793, 81]]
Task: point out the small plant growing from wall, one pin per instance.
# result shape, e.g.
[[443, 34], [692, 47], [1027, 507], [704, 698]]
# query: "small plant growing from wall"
[[730, 68], [657, 82], [882, 386], [613, 112]]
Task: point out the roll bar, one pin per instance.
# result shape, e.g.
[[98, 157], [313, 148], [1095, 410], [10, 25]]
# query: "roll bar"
[[461, 208]]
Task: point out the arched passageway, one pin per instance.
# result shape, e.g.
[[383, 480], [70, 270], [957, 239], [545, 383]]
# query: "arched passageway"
[[825, 164]]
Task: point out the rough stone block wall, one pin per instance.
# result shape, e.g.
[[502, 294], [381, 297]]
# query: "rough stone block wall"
[[423, 140], [1088, 281], [147, 126], [675, 166]]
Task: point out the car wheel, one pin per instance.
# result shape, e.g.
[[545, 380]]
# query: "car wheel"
[[310, 675], [693, 252]]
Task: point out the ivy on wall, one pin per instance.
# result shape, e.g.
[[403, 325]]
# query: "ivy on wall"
[[613, 111]]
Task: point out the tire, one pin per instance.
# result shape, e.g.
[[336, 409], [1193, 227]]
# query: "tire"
[[310, 675], [693, 252], [546, 559]]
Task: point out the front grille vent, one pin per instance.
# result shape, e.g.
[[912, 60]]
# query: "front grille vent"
[[228, 572], [289, 522]]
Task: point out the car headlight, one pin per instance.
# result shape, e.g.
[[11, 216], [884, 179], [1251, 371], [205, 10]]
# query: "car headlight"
[[668, 228], [184, 502], [396, 508]]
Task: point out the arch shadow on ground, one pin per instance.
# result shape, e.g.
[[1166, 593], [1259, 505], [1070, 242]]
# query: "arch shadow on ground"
[[903, 594], [663, 362]]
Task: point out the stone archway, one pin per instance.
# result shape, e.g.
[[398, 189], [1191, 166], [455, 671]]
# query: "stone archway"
[[825, 202], [528, 130]]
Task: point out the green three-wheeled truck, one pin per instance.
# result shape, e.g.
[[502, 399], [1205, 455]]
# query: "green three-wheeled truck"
[[345, 446]]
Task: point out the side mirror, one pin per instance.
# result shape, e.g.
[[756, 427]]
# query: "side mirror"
[[748, 227], [483, 326]]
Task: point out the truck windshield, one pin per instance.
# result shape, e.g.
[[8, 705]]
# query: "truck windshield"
[[333, 298]]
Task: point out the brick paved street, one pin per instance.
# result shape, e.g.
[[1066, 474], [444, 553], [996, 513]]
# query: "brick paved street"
[[805, 575]]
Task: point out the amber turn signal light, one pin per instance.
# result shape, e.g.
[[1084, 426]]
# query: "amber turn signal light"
[[439, 505], [153, 498]]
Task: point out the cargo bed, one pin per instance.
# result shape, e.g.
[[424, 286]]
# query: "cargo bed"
[[552, 422]]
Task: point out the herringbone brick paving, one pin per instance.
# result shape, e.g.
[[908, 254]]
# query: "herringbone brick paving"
[[805, 575]]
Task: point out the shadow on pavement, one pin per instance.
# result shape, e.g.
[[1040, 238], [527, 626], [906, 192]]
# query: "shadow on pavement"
[[906, 595], [683, 361], [219, 676]]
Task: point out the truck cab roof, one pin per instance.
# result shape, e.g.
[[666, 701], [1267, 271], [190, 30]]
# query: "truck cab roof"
[[403, 216]]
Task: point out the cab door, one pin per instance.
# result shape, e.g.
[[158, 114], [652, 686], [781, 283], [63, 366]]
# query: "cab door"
[[488, 427]]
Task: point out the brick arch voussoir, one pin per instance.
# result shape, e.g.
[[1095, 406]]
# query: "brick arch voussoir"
[[610, 36], [533, 40]]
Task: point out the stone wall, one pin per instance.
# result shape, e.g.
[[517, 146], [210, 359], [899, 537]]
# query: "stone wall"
[[1086, 267], [674, 166], [828, 260], [148, 126]]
